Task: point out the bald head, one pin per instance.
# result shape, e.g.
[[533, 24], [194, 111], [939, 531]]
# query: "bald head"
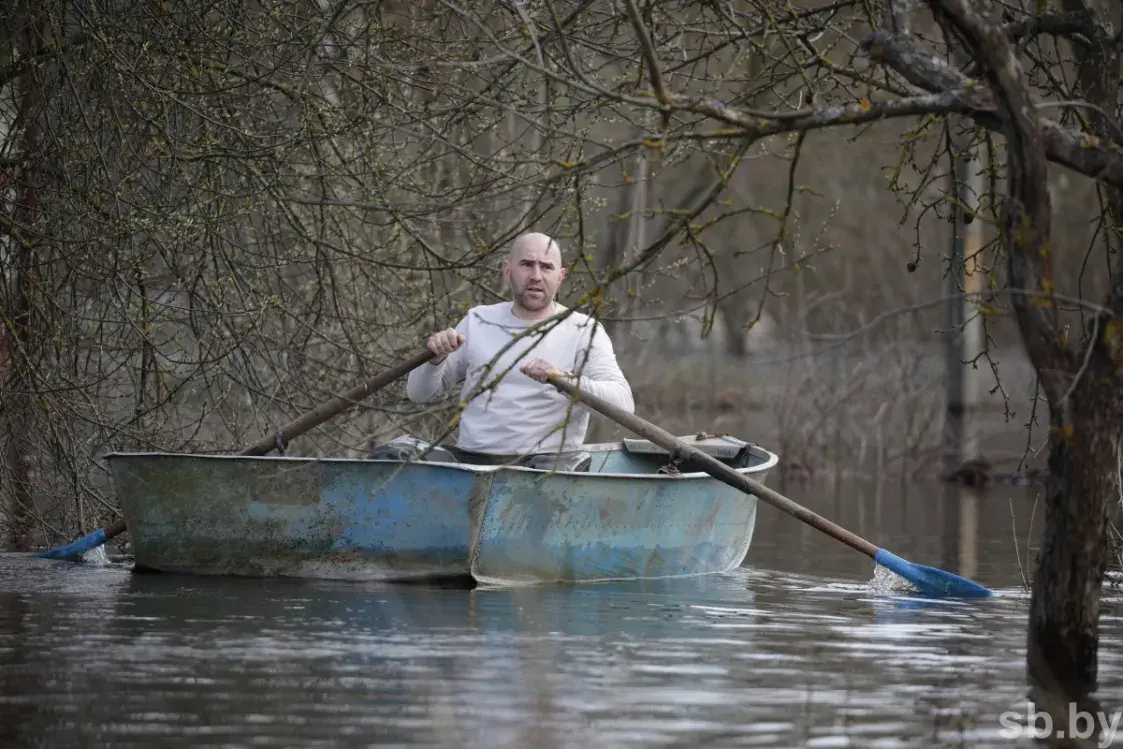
[[534, 270], [536, 244]]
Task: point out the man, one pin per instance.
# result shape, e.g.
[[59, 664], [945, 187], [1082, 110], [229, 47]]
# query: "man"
[[502, 362]]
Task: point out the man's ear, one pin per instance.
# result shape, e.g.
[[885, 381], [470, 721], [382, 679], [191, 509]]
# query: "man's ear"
[[563, 274]]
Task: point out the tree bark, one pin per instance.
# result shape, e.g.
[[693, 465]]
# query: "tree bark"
[[1084, 451], [19, 531], [19, 339], [1083, 480], [19, 497]]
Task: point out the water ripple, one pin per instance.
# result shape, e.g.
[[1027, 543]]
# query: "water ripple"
[[98, 656]]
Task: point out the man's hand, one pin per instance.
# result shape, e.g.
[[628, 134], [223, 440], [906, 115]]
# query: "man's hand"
[[539, 369], [444, 343]]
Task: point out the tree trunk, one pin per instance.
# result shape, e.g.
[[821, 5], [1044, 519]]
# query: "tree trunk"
[[1083, 392], [1084, 447], [1084, 465], [15, 484], [19, 338], [19, 531]]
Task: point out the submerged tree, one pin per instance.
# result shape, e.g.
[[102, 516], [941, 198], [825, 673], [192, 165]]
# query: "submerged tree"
[[1005, 60], [1081, 376]]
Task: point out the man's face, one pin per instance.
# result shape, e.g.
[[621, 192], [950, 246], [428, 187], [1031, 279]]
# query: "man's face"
[[535, 273]]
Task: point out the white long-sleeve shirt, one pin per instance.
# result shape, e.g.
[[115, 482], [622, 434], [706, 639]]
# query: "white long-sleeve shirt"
[[520, 415]]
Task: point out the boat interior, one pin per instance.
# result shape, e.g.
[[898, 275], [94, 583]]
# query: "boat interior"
[[633, 457], [639, 456]]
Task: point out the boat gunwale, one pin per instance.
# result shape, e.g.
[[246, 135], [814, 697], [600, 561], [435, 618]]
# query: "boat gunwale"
[[477, 468]]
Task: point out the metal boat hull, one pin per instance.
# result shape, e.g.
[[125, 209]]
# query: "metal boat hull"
[[389, 520]]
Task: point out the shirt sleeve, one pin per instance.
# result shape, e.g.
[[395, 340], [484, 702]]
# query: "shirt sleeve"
[[430, 382], [601, 375]]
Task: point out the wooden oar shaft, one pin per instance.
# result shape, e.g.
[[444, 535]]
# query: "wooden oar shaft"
[[336, 405], [715, 467], [116, 528]]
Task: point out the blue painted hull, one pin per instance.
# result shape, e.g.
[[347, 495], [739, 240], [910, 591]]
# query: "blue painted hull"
[[571, 528], [385, 520]]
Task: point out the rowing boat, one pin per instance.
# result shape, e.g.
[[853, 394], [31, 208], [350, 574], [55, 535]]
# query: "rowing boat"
[[636, 512]]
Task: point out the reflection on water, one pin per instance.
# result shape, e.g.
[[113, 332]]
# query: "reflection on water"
[[792, 650]]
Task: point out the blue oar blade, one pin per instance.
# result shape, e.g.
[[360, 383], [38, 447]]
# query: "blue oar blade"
[[931, 581], [74, 551]]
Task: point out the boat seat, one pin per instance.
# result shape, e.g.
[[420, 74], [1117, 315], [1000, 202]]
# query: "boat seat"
[[578, 461], [729, 450], [406, 448]]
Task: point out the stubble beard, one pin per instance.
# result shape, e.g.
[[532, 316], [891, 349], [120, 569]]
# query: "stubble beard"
[[528, 301]]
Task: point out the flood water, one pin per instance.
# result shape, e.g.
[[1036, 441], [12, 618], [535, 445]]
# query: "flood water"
[[795, 649]]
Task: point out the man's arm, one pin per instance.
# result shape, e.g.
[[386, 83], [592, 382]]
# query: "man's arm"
[[601, 375], [430, 382]]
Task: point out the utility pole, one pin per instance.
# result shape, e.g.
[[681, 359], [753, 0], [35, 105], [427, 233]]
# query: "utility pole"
[[956, 309], [973, 345], [965, 325], [964, 345], [973, 340]]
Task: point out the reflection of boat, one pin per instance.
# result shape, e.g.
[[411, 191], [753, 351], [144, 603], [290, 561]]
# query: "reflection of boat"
[[631, 515], [643, 609]]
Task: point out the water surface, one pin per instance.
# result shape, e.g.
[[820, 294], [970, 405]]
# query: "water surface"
[[794, 649]]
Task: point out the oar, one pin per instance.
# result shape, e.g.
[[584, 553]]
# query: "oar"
[[265, 445], [928, 580]]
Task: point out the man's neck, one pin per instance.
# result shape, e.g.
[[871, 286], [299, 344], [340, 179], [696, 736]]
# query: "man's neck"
[[533, 315]]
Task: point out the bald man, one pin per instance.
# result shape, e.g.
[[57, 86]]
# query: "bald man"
[[522, 415]]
